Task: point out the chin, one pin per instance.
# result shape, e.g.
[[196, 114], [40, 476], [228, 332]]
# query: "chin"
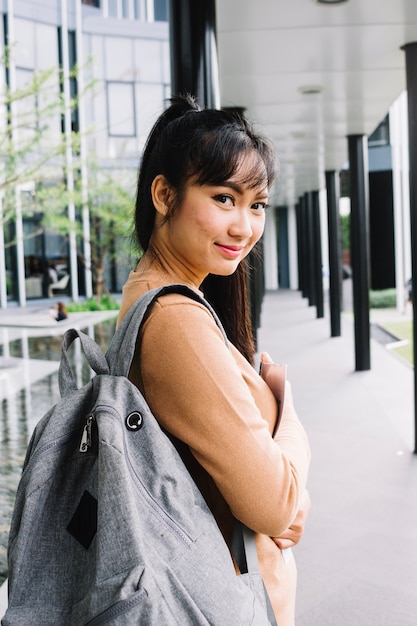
[[225, 272]]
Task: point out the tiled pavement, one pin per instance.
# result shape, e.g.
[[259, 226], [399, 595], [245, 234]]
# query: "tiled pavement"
[[357, 561]]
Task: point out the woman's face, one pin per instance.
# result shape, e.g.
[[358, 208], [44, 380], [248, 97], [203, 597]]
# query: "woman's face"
[[215, 227]]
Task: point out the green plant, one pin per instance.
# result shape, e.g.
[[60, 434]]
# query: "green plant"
[[382, 298], [107, 303], [404, 331], [345, 231], [110, 205]]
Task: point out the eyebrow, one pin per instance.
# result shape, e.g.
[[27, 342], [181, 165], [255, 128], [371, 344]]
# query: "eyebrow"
[[239, 188]]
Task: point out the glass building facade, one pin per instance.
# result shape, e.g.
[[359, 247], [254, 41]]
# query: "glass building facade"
[[120, 49]]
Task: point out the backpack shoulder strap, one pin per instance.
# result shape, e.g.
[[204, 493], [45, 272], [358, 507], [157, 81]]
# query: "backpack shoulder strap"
[[119, 357], [93, 354], [122, 347]]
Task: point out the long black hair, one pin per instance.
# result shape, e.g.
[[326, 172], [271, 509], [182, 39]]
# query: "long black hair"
[[207, 145]]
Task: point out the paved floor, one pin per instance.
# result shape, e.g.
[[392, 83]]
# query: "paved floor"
[[358, 559]]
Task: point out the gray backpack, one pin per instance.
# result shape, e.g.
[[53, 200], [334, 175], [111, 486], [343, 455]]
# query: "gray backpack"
[[108, 525]]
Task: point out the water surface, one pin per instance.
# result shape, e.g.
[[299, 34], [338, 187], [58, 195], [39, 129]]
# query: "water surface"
[[28, 388]]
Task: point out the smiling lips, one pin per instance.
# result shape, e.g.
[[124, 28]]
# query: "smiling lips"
[[231, 251]]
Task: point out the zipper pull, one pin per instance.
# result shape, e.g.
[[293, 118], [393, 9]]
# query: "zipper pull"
[[86, 436]]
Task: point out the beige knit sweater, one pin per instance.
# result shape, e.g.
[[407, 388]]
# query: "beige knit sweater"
[[221, 414]]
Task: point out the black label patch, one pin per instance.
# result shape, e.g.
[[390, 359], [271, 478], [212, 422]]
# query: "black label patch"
[[83, 525]]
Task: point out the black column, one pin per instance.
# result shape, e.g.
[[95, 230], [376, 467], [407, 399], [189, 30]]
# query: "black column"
[[299, 222], [304, 245], [311, 274], [360, 248], [306, 249], [411, 73], [194, 65], [317, 256], [335, 252]]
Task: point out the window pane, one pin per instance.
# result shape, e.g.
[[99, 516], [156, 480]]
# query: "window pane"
[[148, 57], [24, 44], [112, 8], [121, 109], [118, 59], [125, 8], [380, 136], [161, 10]]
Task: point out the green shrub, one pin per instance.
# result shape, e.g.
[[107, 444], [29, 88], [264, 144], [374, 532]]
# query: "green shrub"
[[382, 299], [107, 303]]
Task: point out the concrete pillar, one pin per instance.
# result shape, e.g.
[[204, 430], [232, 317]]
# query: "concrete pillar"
[[311, 274], [411, 73], [335, 252], [270, 250], [305, 257], [292, 246], [88, 278], [317, 255], [358, 166], [194, 64], [69, 161], [401, 197], [300, 231]]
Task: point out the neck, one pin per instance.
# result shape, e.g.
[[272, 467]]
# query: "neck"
[[174, 269]]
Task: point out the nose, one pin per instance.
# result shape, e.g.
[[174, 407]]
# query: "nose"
[[241, 226]]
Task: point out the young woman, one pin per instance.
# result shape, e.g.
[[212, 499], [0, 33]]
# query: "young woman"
[[200, 209], [59, 312]]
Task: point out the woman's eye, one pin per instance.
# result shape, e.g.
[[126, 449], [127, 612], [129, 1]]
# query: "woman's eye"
[[224, 199], [259, 206]]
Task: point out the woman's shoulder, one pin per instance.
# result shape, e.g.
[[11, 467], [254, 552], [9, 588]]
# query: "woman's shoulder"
[[177, 308], [171, 306]]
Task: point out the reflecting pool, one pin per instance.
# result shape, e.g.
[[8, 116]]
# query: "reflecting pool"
[[28, 388]]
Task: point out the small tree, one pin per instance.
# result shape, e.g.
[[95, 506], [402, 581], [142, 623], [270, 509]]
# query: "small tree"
[[110, 203], [33, 156], [32, 141], [110, 206], [31, 144]]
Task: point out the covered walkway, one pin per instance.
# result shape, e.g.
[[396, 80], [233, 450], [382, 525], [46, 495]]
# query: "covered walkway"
[[357, 561]]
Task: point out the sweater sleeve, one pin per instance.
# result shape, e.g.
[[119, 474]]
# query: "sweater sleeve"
[[197, 392]]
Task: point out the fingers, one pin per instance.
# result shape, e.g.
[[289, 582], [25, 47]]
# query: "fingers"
[[283, 544], [265, 358], [290, 537], [293, 534]]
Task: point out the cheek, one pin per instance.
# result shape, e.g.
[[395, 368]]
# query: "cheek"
[[258, 227], [207, 224]]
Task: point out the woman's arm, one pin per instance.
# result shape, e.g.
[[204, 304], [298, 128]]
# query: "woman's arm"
[[196, 390]]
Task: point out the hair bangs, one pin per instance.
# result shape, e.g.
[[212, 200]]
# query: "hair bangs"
[[231, 153]]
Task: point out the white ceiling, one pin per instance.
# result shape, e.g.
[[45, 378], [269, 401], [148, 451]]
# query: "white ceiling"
[[269, 49]]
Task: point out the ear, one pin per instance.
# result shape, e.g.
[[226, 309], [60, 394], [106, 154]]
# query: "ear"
[[161, 193]]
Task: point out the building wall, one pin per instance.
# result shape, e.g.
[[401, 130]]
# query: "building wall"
[[126, 60], [132, 81]]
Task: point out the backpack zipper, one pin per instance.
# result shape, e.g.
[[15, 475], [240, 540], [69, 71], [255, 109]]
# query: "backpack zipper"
[[85, 444], [86, 436]]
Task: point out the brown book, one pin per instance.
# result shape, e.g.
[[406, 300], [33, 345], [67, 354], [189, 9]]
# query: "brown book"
[[275, 375]]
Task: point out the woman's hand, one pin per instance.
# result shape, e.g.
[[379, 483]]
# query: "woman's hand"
[[275, 376], [265, 358], [293, 534]]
